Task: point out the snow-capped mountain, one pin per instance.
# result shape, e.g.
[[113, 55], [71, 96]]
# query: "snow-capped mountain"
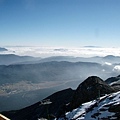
[[104, 108], [90, 89], [114, 82]]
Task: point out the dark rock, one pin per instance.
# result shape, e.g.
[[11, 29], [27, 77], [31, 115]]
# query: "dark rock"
[[114, 108], [112, 79], [115, 82], [39, 110], [92, 88]]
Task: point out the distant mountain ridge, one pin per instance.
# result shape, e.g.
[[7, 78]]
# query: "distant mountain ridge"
[[3, 49], [18, 80], [97, 59], [40, 72], [7, 59]]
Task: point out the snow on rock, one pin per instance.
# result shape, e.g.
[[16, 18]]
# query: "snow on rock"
[[116, 82], [80, 111], [97, 109]]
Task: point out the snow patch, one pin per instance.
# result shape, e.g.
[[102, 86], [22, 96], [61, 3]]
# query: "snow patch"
[[94, 110]]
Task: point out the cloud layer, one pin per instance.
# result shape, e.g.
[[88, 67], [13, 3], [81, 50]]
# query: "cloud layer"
[[61, 51]]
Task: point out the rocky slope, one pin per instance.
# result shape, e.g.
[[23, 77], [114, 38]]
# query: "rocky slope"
[[106, 108], [17, 80], [42, 109], [114, 82], [88, 90]]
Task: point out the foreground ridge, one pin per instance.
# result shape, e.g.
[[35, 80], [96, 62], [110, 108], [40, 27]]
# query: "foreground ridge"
[[91, 88], [106, 108], [73, 102]]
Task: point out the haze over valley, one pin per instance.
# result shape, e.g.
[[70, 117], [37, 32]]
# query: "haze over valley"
[[30, 78]]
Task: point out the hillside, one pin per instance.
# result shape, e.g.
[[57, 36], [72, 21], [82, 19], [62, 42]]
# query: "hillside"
[[17, 81], [90, 89], [66, 100], [114, 82], [38, 109], [106, 108]]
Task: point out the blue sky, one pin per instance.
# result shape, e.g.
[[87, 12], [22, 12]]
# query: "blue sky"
[[60, 22]]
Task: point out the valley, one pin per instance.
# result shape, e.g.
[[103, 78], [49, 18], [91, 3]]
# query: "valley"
[[24, 84]]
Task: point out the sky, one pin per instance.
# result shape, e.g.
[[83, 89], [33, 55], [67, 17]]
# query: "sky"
[[71, 23]]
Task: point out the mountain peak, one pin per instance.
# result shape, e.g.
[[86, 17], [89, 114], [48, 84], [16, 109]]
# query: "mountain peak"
[[91, 81], [92, 88]]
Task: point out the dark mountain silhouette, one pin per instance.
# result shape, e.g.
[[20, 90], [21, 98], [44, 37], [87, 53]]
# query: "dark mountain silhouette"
[[90, 89], [105, 108], [16, 80], [114, 82], [112, 79], [39, 110]]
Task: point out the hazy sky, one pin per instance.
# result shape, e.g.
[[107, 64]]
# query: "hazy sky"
[[60, 22]]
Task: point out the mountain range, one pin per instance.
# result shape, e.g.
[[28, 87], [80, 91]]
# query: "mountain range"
[[7, 59], [97, 59], [92, 99], [39, 78], [18, 81]]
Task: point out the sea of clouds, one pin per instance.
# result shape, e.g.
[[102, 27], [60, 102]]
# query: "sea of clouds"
[[39, 51]]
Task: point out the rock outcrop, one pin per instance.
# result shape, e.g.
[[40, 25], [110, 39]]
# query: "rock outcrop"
[[92, 88]]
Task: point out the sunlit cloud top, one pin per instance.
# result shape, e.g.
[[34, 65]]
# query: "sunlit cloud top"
[[61, 51]]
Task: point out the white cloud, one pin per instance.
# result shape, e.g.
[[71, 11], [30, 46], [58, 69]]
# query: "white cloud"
[[116, 68], [61, 51]]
